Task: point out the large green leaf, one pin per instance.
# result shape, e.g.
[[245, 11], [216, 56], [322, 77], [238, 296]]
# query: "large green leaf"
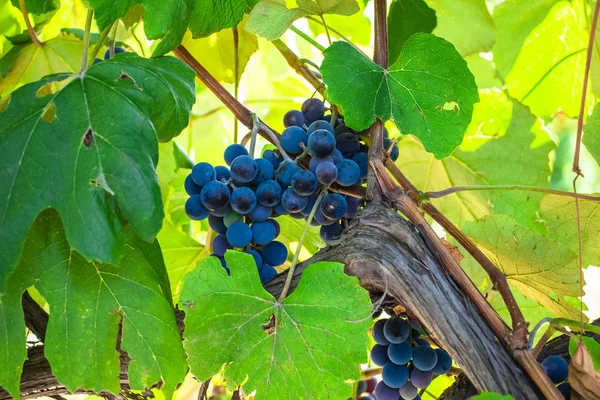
[[515, 19], [591, 137], [560, 215], [271, 18], [39, 6], [210, 16], [234, 321], [466, 24], [504, 145], [542, 269], [405, 18], [429, 91], [88, 303], [71, 141], [547, 74]]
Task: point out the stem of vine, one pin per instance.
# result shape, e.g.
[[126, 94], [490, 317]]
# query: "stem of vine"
[[236, 77], [307, 38], [455, 189], [30, 29], [326, 28], [86, 40], [99, 44]]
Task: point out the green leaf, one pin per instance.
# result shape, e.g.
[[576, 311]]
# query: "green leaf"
[[271, 18], [405, 18], [504, 145], [291, 230], [592, 346], [74, 142], [89, 301], [39, 6], [466, 24], [355, 27], [491, 396], [560, 215], [210, 16], [515, 19], [542, 269], [547, 71], [591, 137], [173, 29], [271, 343], [28, 63], [429, 91]]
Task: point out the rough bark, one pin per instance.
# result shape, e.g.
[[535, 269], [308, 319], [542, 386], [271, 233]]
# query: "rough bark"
[[381, 247]]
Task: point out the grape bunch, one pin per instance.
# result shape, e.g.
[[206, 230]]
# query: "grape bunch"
[[242, 200], [408, 360], [557, 370]]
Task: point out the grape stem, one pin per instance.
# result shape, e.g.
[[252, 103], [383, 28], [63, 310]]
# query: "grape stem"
[[236, 85], [326, 28], [290, 276], [30, 29], [86, 40], [307, 38], [338, 34], [455, 189], [255, 126], [99, 44], [556, 324], [113, 39]]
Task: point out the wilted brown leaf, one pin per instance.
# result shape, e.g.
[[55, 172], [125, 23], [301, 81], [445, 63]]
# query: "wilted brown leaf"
[[584, 379]]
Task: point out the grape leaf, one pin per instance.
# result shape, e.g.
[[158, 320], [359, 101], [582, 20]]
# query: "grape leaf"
[[175, 28], [548, 67], [560, 215], [28, 63], [542, 269], [355, 27], [88, 302], [591, 137], [466, 24], [504, 145], [515, 19], [39, 6], [291, 230], [71, 140], [405, 18], [210, 16], [271, 18], [429, 91], [234, 321]]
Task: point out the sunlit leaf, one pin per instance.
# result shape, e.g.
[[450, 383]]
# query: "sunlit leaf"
[[591, 137], [39, 6], [210, 16]]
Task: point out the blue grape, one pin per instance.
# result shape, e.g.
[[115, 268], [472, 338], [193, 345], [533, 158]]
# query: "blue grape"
[[220, 245], [202, 173], [215, 195], [304, 183], [384, 392], [97, 60], [321, 124], [239, 234], [291, 138], [362, 159], [293, 202], [223, 263], [316, 161], [313, 109], [257, 258], [420, 379], [424, 358], [233, 151], [444, 362], [260, 213], [321, 142], [379, 355], [408, 391], [118, 49], [361, 387], [348, 172], [354, 204], [293, 118], [396, 330], [331, 232], [556, 368], [394, 375], [275, 253], [565, 389], [323, 220], [415, 324], [190, 187], [194, 208], [265, 171], [421, 342], [231, 218], [223, 173], [273, 158], [276, 225], [217, 224], [262, 233], [326, 173], [401, 353], [266, 273], [336, 156], [347, 143], [285, 172], [222, 212], [395, 153], [279, 210], [268, 193], [244, 169], [341, 128], [243, 200], [377, 333], [334, 206]]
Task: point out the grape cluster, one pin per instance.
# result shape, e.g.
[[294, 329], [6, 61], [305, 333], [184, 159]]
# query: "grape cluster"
[[557, 370], [408, 360]]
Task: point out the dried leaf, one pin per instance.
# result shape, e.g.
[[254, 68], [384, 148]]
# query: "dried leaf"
[[584, 379], [454, 251]]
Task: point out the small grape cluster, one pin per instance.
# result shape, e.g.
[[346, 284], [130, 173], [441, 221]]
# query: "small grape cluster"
[[107, 54], [557, 370], [408, 360], [242, 200]]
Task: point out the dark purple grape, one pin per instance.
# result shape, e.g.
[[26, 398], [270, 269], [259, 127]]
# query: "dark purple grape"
[[190, 187], [354, 204], [424, 358], [215, 195], [273, 158], [268, 193], [377, 333], [347, 143], [293, 118], [257, 258], [408, 391], [276, 225], [401, 353], [222, 212], [334, 206], [321, 219], [304, 183], [265, 171], [220, 245], [275, 253], [331, 232], [239, 234], [326, 173], [260, 213], [321, 142], [336, 156], [263, 233], [316, 161], [341, 128], [233, 151], [396, 330], [362, 159], [348, 172], [293, 202], [217, 224], [223, 173], [420, 379], [384, 392], [313, 109], [556, 368], [202, 173], [444, 362], [285, 172], [118, 49], [194, 208], [244, 169], [394, 375], [321, 124], [379, 355], [292, 137], [243, 200], [266, 273]]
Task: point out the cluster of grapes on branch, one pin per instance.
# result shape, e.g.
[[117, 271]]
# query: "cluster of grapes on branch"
[[409, 361], [557, 370], [242, 200]]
